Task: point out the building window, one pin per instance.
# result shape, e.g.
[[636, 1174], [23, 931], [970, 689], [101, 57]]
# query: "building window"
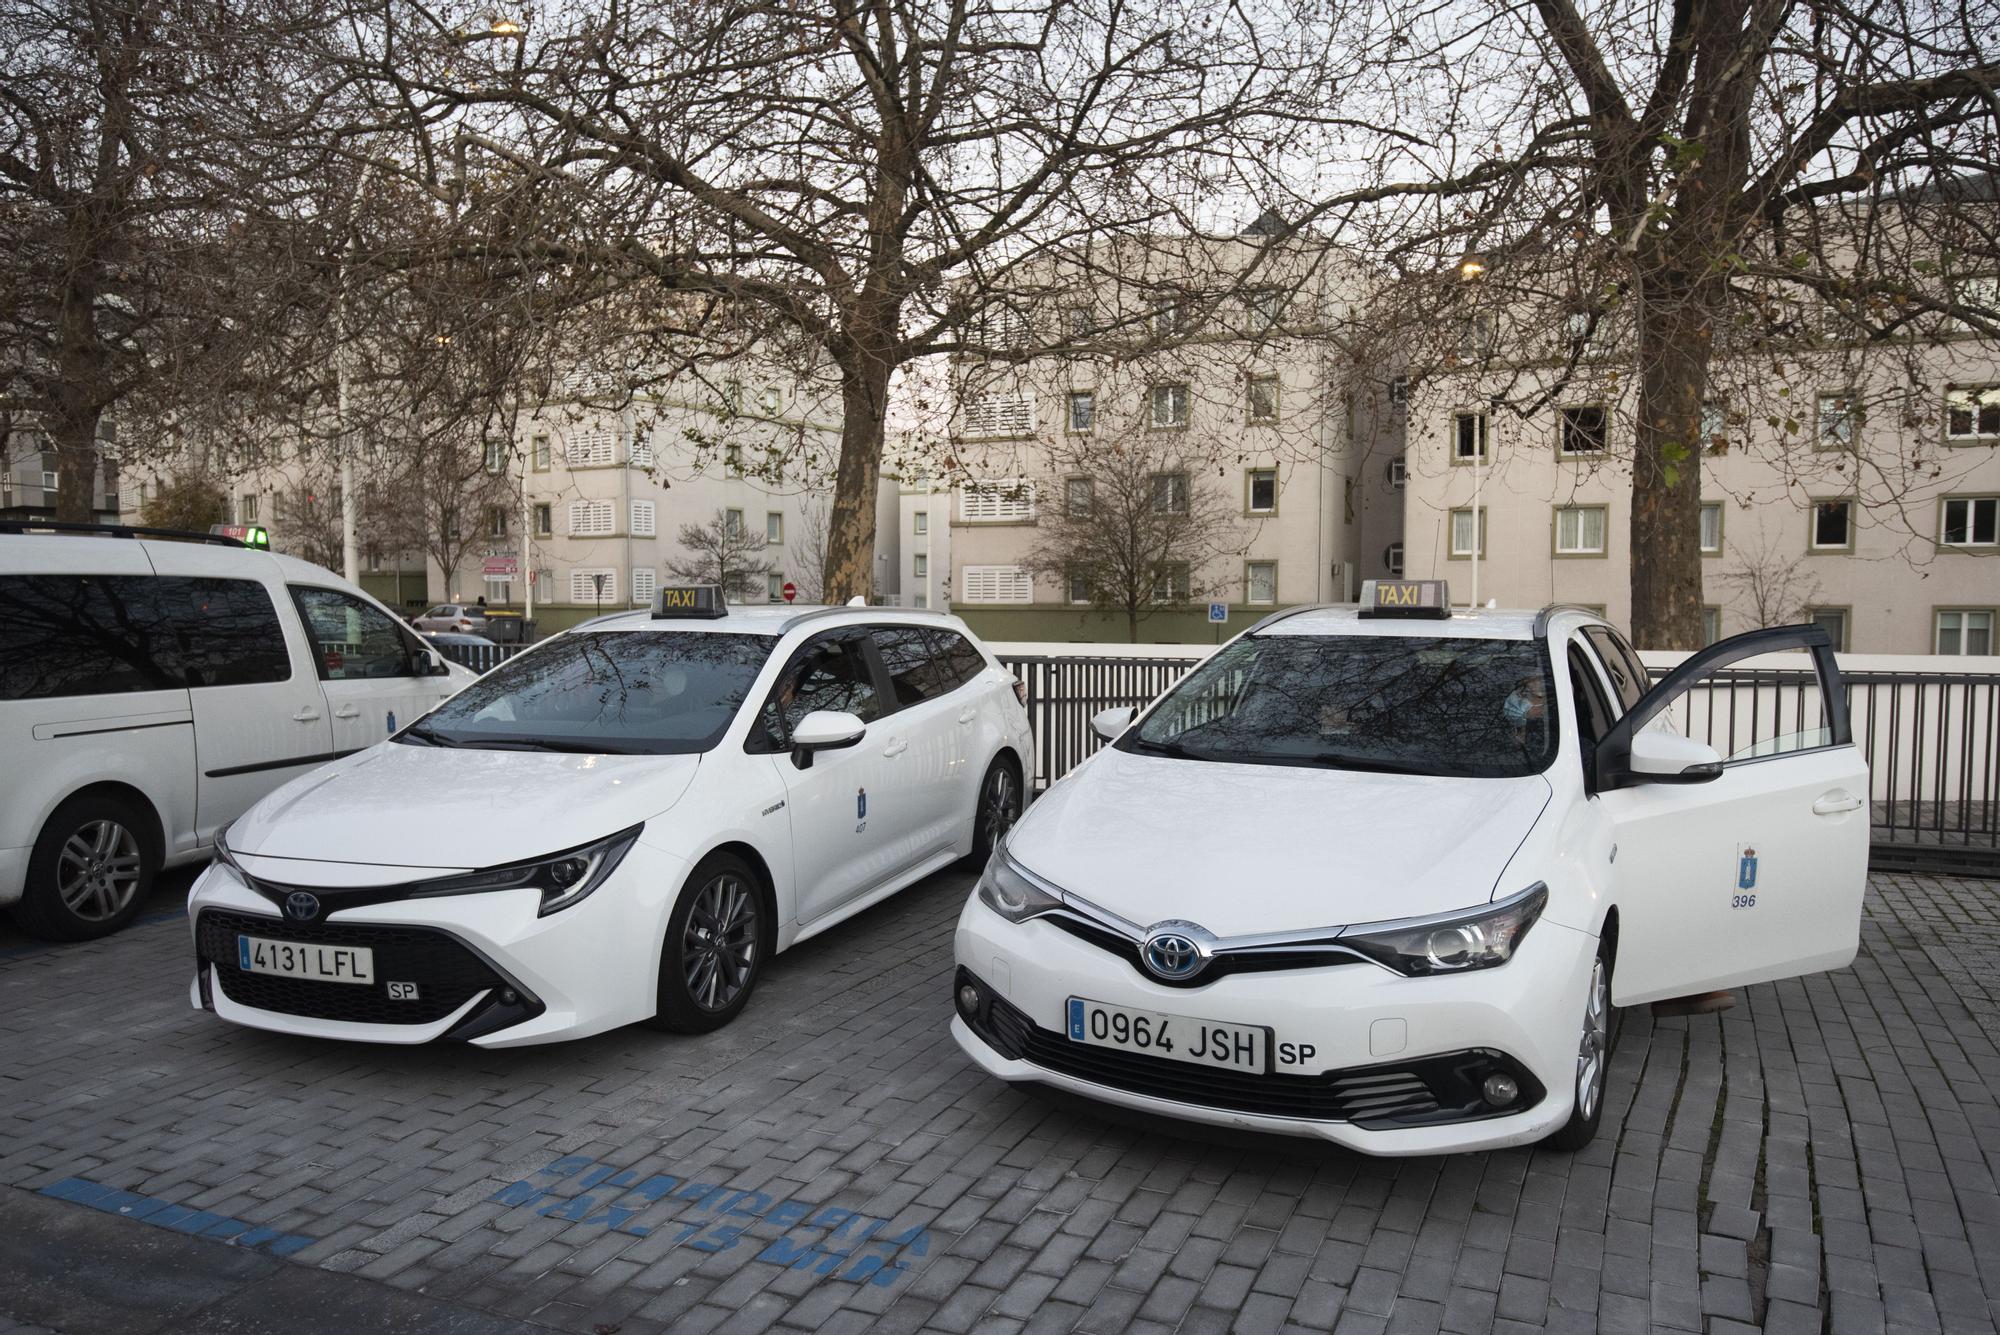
[[1969, 521], [246, 508], [989, 416], [1468, 437], [732, 460], [496, 521], [1076, 585], [1263, 398], [1077, 321], [1262, 485], [1392, 558], [1711, 528], [1079, 497], [920, 566], [1171, 583], [1711, 625], [641, 455], [1260, 583], [645, 520], [590, 449], [1082, 410], [1965, 631], [771, 399], [1971, 412], [277, 504], [1461, 533], [1833, 428], [1172, 321], [592, 519], [544, 519], [996, 584], [590, 587], [1169, 406], [1475, 336], [1011, 501], [1170, 493], [541, 454], [1832, 620], [732, 524], [496, 456], [645, 580], [1398, 472], [774, 587], [1580, 530], [774, 527], [1583, 429], [1714, 423], [920, 523], [49, 479], [1832, 526], [1263, 309]]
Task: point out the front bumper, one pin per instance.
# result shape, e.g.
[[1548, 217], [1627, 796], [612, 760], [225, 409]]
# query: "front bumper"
[[488, 970], [1392, 1061]]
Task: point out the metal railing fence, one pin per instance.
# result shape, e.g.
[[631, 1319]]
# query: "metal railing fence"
[[1931, 739]]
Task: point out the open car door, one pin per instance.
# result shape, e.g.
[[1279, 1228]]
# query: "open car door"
[[1741, 821]]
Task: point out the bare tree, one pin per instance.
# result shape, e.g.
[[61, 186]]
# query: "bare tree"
[[724, 552], [1702, 181], [1135, 527], [1778, 587], [192, 503], [810, 576]]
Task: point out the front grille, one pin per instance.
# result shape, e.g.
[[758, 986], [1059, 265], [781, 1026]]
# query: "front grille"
[[447, 974], [1419, 1092], [1225, 962]]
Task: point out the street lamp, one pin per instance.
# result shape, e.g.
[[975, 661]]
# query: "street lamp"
[[1471, 268], [506, 27]]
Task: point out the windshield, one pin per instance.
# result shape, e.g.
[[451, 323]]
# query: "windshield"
[[622, 692], [1407, 705]]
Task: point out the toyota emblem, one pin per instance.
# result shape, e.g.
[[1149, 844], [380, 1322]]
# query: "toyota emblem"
[[1173, 954], [301, 907]]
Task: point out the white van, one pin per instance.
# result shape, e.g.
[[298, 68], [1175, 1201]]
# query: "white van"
[[151, 690]]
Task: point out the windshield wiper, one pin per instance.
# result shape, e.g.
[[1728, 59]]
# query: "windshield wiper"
[[428, 736], [584, 748], [1341, 760], [1173, 750]]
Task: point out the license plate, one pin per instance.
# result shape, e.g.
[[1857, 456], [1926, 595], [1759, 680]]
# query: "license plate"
[[296, 959], [1234, 1047]]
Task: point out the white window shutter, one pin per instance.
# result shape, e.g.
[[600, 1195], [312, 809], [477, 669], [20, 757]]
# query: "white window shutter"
[[644, 522], [996, 584], [645, 581], [583, 585]]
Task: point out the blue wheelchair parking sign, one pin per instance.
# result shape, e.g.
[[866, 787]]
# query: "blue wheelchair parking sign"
[[1218, 612]]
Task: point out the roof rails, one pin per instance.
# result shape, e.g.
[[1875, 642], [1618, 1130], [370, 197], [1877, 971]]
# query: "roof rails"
[[1292, 612], [816, 613], [116, 531], [1543, 617]]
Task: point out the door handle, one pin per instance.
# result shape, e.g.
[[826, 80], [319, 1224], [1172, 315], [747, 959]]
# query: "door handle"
[[895, 748], [967, 715], [306, 714], [1833, 804], [347, 711]]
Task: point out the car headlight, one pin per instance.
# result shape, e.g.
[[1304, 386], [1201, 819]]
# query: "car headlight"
[[1006, 889], [1477, 938], [563, 878]]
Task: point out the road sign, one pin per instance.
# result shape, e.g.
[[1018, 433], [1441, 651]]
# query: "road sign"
[[790, 591], [501, 567], [1218, 612]]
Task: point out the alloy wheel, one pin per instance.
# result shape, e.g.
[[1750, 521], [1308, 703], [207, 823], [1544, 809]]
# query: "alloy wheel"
[[999, 805], [1593, 1047], [97, 873], [719, 948]]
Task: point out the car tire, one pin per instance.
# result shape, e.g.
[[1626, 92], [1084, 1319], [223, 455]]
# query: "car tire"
[[90, 871], [1596, 1039], [995, 810], [718, 938]]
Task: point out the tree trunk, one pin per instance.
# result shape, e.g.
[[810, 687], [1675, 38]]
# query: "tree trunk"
[[850, 537], [74, 436], [1676, 331], [1131, 625], [72, 425]]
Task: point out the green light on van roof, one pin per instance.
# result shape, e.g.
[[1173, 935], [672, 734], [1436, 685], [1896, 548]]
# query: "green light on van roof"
[[250, 535]]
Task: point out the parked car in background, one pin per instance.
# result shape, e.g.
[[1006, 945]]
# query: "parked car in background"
[[464, 617], [667, 798], [151, 689], [447, 637]]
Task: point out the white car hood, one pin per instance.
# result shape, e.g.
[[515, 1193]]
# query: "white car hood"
[[421, 806], [1241, 849]]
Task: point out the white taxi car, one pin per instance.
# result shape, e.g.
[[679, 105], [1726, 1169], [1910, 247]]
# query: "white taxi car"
[[643, 810], [1382, 878]]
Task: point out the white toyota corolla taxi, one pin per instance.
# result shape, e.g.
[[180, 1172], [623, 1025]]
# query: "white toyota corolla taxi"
[[620, 824], [1381, 874]]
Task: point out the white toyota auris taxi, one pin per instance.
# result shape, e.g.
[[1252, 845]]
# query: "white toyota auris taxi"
[[620, 824], [1382, 874]]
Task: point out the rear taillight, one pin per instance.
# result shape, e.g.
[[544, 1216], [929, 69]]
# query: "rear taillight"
[[1021, 692]]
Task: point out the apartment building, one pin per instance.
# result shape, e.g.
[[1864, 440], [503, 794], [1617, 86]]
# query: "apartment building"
[[29, 482]]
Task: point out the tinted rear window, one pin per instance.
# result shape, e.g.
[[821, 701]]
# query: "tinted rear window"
[[70, 635], [958, 661]]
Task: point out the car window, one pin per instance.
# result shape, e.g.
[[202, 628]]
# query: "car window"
[[618, 692], [911, 662], [1621, 664], [353, 640], [230, 634], [1593, 708], [85, 635], [1397, 704], [445, 611], [832, 674], [958, 662]]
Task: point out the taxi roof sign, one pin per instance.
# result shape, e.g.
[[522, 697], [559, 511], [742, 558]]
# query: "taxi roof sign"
[[703, 602], [250, 535], [1430, 598]]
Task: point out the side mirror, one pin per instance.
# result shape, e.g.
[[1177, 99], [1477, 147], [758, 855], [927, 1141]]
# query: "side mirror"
[[1108, 723], [1666, 757], [440, 665], [824, 730]]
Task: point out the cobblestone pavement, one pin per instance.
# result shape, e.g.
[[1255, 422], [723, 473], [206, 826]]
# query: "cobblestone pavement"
[[1821, 1157]]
